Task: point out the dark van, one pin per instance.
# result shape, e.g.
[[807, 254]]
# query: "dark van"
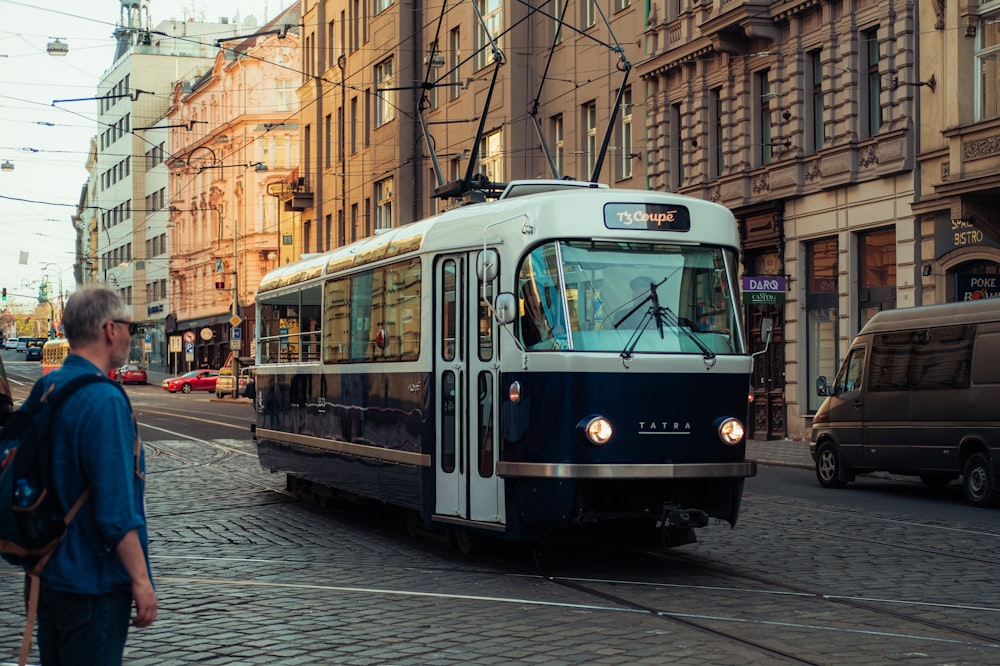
[[917, 394]]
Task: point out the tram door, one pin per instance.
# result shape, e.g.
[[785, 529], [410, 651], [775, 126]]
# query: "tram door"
[[466, 404]]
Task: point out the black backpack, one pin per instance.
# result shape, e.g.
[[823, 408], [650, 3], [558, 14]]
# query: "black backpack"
[[29, 534]]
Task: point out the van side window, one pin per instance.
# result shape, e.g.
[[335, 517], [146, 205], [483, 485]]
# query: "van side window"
[[922, 360], [985, 369], [849, 377]]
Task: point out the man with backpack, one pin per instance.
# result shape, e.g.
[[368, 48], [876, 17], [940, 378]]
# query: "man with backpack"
[[101, 568]]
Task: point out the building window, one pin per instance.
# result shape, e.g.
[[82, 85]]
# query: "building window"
[[380, 6], [492, 12], [383, 204], [558, 147], [877, 284], [435, 73], [558, 7], [763, 113], [815, 102], [625, 138], [590, 147], [589, 14], [354, 125], [987, 79], [677, 153], [384, 99], [871, 91], [491, 156], [716, 161], [455, 63], [673, 9], [622, 4], [328, 140], [822, 295]]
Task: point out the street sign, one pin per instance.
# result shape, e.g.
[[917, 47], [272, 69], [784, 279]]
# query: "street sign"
[[189, 351], [188, 336], [235, 320], [763, 298], [236, 334], [175, 344]]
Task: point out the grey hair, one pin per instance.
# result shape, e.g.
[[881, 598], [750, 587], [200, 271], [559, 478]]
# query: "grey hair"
[[87, 310]]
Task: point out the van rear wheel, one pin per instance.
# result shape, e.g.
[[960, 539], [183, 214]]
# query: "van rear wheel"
[[828, 466], [977, 480]]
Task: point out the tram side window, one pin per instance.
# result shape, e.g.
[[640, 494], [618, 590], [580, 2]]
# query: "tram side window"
[[309, 323], [364, 309], [402, 310]]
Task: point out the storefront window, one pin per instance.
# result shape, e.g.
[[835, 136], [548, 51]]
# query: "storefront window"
[[877, 282], [821, 315]]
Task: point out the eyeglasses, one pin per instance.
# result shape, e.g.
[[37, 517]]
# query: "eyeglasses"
[[133, 327]]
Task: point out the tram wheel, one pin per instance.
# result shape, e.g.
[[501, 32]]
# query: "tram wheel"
[[828, 466], [977, 482]]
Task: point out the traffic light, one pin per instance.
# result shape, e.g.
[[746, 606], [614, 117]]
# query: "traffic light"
[[5, 293], [220, 284]]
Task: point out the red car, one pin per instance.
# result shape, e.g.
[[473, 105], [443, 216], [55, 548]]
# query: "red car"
[[196, 380], [131, 374]]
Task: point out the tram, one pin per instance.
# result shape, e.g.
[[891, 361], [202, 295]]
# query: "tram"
[[54, 352], [547, 364]]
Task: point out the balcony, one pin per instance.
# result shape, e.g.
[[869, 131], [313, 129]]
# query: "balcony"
[[297, 196]]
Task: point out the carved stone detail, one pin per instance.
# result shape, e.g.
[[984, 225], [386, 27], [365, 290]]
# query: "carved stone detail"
[[868, 156], [813, 170], [761, 183], [978, 148]]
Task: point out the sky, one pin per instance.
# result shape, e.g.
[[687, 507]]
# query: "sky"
[[47, 143]]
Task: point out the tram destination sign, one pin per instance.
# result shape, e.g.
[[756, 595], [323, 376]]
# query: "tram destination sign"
[[646, 217], [764, 290]]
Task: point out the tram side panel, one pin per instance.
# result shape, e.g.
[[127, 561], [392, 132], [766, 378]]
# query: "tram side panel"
[[377, 411], [662, 419]]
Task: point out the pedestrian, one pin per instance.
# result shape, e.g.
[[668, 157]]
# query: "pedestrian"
[[101, 569], [204, 363]]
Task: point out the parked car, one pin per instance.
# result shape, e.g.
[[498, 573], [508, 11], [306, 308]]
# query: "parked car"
[[10, 343], [22, 344], [33, 353], [225, 386], [131, 374], [196, 380]]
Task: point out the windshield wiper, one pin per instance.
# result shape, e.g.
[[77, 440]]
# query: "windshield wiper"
[[660, 315]]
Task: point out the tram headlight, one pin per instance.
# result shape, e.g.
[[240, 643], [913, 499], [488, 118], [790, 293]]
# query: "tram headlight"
[[514, 392], [596, 430], [731, 431]]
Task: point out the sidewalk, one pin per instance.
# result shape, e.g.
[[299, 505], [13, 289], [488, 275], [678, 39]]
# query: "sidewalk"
[[783, 452]]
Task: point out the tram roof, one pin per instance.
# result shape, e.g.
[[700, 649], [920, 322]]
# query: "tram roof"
[[464, 227]]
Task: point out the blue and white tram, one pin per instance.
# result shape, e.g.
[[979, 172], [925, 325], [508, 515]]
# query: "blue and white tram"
[[562, 362]]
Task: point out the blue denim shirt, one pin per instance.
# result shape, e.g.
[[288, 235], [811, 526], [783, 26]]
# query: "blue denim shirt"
[[93, 441]]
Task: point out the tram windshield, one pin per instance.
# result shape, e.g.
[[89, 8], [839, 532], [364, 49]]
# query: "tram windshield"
[[617, 296]]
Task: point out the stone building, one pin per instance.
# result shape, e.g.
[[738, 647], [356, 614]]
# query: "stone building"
[[126, 202], [232, 145], [376, 74], [802, 117]]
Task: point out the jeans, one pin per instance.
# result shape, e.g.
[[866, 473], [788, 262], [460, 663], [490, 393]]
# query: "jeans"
[[83, 629]]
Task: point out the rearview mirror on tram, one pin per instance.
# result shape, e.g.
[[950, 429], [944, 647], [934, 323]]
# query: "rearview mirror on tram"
[[486, 265], [504, 308]]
